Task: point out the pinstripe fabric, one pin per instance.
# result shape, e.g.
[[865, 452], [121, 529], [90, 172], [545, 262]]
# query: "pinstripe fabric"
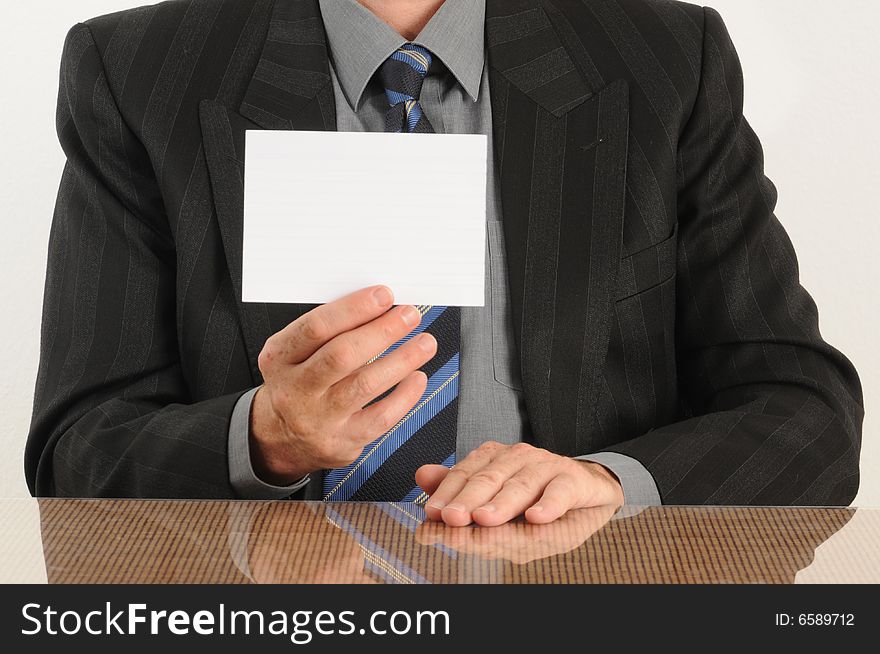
[[655, 296]]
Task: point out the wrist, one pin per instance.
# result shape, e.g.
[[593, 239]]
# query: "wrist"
[[269, 447], [611, 481]]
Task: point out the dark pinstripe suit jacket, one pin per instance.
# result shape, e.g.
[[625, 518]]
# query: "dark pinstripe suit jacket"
[[656, 300]]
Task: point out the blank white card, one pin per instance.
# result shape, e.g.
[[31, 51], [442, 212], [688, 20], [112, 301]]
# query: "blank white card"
[[327, 213]]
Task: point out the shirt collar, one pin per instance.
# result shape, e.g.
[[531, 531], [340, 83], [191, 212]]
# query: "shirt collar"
[[360, 42]]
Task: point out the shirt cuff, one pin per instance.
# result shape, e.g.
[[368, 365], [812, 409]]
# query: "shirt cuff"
[[639, 487], [244, 480]]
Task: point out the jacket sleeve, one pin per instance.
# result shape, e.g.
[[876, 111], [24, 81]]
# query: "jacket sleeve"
[[775, 413], [112, 411]]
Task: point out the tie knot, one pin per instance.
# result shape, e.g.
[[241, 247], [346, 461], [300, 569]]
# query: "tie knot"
[[403, 73]]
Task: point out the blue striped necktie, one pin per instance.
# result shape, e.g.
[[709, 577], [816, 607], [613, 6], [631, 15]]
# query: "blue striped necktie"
[[385, 472]]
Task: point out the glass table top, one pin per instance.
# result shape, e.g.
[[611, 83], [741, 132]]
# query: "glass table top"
[[129, 541]]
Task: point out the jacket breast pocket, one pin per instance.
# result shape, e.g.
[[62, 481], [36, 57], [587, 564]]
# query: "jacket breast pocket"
[[648, 268], [505, 361]]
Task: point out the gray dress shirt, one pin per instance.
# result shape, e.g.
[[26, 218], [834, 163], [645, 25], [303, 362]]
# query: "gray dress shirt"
[[455, 98]]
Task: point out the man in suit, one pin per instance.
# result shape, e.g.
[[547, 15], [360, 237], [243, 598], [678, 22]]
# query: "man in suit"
[[647, 338]]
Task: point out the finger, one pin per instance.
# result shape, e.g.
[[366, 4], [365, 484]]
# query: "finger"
[[459, 540], [305, 335], [429, 477], [458, 476], [482, 486], [369, 382], [516, 495], [370, 423], [559, 497], [430, 533], [347, 352]]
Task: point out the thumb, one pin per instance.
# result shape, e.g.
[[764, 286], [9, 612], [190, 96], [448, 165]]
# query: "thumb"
[[429, 477]]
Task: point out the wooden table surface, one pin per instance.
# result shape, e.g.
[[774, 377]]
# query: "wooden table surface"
[[114, 541]]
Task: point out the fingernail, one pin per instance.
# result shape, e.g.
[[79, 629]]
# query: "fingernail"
[[426, 342], [411, 316], [437, 505], [489, 508], [383, 296], [456, 507], [537, 508]]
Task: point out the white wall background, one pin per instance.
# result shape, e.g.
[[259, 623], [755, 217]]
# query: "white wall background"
[[812, 71]]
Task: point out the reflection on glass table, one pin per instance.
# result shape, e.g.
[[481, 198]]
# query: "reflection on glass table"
[[114, 541]]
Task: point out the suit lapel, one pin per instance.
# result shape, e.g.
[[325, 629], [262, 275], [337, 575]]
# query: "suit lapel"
[[561, 139], [290, 90]]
